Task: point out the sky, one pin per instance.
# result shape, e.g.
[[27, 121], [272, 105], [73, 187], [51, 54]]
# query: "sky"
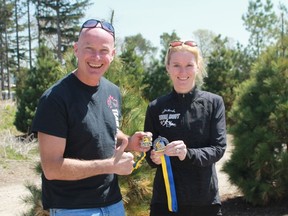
[[152, 18]]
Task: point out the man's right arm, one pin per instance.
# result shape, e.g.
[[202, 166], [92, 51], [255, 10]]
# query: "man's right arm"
[[56, 167]]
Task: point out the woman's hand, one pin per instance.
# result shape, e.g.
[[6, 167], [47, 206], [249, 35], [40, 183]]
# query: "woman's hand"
[[176, 148], [156, 156]]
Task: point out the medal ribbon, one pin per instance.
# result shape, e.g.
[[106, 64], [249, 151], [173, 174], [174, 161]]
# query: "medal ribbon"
[[139, 161], [169, 183]]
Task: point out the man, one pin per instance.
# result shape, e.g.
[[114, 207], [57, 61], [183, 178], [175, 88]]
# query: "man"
[[77, 121]]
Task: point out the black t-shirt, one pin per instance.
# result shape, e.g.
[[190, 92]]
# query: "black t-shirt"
[[87, 117]]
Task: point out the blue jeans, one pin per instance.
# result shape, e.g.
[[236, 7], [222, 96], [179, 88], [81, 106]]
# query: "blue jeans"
[[116, 209]]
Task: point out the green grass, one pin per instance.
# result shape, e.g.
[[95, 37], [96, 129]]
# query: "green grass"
[[11, 153], [11, 146], [7, 113]]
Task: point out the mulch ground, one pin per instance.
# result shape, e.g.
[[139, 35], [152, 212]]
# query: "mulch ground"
[[237, 206]]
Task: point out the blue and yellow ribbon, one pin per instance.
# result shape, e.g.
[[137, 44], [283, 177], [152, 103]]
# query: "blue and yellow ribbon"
[[169, 183], [136, 165]]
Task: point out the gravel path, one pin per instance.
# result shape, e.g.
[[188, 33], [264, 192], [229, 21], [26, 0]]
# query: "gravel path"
[[13, 177], [225, 187]]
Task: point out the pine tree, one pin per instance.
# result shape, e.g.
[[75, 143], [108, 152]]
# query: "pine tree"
[[6, 27], [156, 81], [259, 163], [126, 71], [58, 22], [260, 21], [227, 68], [37, 80]]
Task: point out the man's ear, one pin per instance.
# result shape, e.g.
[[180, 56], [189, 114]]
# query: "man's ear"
[[75, 48], [113, 55]]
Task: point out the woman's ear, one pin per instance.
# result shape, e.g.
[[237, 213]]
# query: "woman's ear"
[[167, 70]]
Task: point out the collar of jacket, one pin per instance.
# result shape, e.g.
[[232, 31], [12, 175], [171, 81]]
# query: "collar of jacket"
[[189, 95]]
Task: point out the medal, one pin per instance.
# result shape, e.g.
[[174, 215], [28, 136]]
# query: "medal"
[[146, 141], [160, 143]]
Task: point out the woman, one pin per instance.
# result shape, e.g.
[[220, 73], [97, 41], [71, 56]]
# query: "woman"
[[193, 124]]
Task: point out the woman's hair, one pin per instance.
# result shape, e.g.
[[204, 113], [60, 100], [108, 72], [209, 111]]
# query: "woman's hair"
[[199, 59]]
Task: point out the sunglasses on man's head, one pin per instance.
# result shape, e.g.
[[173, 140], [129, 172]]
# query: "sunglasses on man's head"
[[92, 23], [180, 43]]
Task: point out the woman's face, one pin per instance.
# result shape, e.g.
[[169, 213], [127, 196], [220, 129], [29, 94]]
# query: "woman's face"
[[182, 70]]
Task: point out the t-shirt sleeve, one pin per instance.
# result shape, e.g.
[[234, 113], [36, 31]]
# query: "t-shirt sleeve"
[[50, 117]]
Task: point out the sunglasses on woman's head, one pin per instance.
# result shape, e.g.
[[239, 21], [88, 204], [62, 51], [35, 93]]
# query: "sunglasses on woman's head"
[[92, 23], [180, 43]]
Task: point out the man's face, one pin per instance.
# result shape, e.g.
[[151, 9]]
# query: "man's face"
[[95, 52]]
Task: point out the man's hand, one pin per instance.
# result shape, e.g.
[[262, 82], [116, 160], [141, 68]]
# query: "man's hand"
[[123, 161], [135, 142]]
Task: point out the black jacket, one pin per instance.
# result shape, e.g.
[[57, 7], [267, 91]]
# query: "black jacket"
[[197, 118]]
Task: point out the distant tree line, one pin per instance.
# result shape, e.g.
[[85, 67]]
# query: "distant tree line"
[[25, 24]]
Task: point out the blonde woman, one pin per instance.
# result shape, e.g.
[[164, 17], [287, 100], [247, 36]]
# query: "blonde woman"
[[193, 123]]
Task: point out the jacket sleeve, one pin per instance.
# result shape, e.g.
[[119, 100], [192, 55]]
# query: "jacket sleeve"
[[217, 142]]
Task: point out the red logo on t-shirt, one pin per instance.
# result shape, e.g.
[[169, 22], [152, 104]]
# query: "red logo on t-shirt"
[[112, 102]]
